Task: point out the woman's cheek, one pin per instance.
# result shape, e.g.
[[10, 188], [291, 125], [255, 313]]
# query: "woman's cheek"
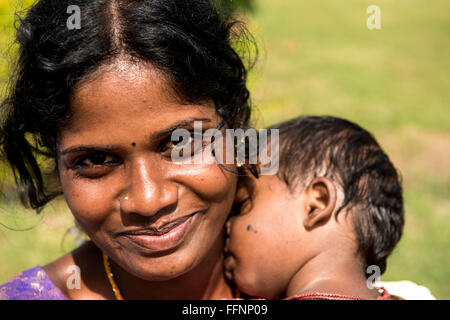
[[209, 181], [90, 201]]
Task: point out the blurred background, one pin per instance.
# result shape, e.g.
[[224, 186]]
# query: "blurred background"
[[317, 57]]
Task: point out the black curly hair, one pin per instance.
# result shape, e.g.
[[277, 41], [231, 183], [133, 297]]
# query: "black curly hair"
[[198, 49], [333, 147]]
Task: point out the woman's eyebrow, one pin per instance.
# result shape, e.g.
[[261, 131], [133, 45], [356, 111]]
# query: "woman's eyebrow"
[[88, 148], [110, 148], [180, 125]]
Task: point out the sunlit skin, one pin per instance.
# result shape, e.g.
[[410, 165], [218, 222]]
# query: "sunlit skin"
[[286, 242], [117, 176]]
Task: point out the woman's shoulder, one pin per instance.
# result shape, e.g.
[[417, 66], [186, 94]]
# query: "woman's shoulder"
[[80, 274], [31, 284]]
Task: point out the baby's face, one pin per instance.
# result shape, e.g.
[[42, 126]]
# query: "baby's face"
[[264, 237]]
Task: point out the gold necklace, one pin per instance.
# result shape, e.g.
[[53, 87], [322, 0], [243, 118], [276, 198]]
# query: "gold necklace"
[[115, 288], [109, 274]]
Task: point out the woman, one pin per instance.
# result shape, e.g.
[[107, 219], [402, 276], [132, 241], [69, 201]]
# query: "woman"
[[100, 103]]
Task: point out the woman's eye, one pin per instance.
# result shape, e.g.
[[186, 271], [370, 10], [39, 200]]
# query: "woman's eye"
[[191, 146], [95, 165], [97, 160]]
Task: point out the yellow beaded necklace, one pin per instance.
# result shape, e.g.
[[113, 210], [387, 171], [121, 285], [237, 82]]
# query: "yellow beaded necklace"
[[109, 274]]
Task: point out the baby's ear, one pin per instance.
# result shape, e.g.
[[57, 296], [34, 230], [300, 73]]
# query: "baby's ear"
[[321, 197]]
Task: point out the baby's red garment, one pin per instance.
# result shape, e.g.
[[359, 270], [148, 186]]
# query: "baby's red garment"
[[332, 296]]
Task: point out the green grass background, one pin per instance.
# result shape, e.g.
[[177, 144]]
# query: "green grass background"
[[318, 57]]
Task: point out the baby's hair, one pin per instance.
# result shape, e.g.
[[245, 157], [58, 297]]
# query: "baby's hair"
[[312, 146], [205, 55]]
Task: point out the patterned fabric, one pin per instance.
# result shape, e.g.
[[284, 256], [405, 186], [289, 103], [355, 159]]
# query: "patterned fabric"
[[32, 284]]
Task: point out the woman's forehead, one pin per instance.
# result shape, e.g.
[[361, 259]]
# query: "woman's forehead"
[[122, 79], [129, 94]]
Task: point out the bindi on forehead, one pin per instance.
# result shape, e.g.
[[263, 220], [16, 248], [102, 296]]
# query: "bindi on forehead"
[[133, 144]]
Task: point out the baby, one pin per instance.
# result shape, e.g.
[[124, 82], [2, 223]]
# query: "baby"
[[323, 223]]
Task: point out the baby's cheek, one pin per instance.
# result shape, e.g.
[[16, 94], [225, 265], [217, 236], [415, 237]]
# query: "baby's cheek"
[[256, 270], [244, 245], [247, 281]]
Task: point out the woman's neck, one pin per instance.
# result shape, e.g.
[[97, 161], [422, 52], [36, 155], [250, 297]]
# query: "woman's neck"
[[331, 273], [205, 281]]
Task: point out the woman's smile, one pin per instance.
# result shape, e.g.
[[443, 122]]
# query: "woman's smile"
[[160, 240]]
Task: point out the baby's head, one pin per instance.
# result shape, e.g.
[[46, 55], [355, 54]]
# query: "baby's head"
[[336, 195]]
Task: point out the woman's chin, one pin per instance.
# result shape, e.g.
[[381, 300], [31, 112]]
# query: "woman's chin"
[[159, 268], [157, 272]]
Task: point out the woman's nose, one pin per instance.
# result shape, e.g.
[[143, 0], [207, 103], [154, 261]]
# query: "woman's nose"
[[148, 192]]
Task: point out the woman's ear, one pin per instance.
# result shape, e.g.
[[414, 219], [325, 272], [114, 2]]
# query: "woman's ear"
[[321, 200]]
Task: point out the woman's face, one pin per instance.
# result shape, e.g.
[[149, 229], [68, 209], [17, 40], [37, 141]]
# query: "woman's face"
[[154, 217]]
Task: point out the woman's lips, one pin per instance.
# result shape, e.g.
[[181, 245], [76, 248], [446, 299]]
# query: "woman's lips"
[[170, 238]]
